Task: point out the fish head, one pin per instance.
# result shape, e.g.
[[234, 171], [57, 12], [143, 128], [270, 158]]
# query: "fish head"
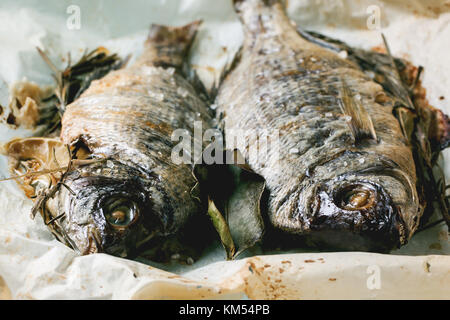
[[105, 209], [354, 204]]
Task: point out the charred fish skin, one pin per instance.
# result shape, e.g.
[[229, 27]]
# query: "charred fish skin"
[[128, 117], [324, 183]]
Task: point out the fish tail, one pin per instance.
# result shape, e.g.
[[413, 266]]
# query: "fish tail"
[[168, 46], [259, 16], [237, 3]]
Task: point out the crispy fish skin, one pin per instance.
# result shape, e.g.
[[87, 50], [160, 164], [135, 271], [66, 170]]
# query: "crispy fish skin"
[[323, 184], [128, 117]]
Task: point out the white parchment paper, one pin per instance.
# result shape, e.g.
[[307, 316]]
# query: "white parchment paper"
[[33, 265]]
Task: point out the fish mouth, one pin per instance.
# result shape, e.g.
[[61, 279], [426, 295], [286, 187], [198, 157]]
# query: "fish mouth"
[[356, 215], [83, 239]]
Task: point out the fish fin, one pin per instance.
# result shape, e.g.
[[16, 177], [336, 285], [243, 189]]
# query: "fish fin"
[[322, 40], [400, 79], [383, 67], [168, 46], [360, 122], [404, 94], [407, 120], [238, 3]]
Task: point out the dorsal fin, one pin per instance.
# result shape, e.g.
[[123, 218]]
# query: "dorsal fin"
[[168, 46]]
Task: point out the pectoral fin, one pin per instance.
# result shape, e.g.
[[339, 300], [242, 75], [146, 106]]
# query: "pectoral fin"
[[359, 122]]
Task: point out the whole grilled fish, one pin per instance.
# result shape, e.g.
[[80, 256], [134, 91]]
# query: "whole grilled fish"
[[342, 174], [138, 194]]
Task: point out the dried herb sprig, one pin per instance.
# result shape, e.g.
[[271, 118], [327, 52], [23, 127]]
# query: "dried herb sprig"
[[45, 195], [73, 81]]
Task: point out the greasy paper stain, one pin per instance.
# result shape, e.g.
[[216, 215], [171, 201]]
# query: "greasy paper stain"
[[5, 293]]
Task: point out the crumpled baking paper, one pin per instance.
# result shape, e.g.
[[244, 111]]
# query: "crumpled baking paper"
[[33, 265]]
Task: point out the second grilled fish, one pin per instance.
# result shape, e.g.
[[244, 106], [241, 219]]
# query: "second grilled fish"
[[343, 175]]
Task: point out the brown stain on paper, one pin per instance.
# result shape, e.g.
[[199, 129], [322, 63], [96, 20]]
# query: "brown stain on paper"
[[264, 281], [5, 293]]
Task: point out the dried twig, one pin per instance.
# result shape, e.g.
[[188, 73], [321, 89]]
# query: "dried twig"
[[430, 225], [73, 163], [42, 198], [74, 80]]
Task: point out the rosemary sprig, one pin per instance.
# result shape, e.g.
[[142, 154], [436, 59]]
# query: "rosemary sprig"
[[73, 81]]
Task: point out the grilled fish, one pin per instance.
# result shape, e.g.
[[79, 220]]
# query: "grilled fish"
[[342, 175], [134, 193]]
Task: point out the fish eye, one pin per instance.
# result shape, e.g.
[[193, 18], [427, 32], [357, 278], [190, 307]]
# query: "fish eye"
[[120, 212], [355, 197]]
